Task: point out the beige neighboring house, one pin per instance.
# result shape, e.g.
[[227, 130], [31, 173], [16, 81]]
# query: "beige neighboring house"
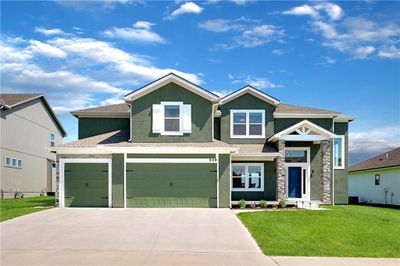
[[29, 128]]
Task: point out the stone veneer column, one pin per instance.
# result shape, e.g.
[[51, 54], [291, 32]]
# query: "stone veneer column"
[[326, 171], [281, 172]]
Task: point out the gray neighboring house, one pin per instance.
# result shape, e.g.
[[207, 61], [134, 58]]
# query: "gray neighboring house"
[[29, 128], [377, 180]]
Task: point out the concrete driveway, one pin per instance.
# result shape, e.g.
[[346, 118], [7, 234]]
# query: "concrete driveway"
[[129, 236]]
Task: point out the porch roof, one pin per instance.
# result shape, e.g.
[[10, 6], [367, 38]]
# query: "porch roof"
[[303, 131]]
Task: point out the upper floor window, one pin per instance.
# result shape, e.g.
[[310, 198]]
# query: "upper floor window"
[[338, 152], [247, 177], [247, 123], [52, 139], [13, 162], [172, 118], [377, 179]]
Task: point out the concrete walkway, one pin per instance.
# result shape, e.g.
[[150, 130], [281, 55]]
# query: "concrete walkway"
[[141, 237]]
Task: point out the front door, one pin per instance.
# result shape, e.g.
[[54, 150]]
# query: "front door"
[[297, 182]]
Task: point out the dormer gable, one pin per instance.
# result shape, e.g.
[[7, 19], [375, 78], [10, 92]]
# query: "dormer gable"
[[252, 91], [171, 77]]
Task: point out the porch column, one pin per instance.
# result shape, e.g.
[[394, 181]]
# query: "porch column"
[[326, 171], [280, 172]]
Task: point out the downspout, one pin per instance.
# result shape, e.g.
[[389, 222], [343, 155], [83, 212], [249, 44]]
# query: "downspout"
[[212, 121], [130, 122]]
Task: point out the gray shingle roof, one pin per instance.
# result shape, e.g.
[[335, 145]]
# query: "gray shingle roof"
[[12, 99], [120, 108], [384, 160], [289, 108], [255, 148], [120, 138]]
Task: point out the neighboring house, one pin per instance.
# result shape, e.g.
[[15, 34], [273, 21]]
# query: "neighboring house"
[[173, 143], [377, 180], [29, 128]]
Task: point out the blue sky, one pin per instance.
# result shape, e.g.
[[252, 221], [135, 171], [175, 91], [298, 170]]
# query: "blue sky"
[[342, 56]]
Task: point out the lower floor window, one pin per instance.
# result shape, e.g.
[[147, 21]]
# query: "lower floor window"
[[247, 177], [13, 162]]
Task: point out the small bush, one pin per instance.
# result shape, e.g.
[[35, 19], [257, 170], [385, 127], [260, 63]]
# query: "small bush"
[[274, 206], [263, 204], [253, 205], [242, 203], [282, 203]]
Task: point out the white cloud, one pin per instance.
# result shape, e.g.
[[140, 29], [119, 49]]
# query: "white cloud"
[[249, 32], [139, 32], [91, 71], [333, 11], [301, 11], [356, 36], [363, 51], [389, 52], [49, 32], [278, 52], [261, 83], [186, 8], [366, 144], [46, 49]]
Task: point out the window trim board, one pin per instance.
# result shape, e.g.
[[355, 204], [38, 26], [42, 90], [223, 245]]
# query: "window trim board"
[[247, 111], [247, 189], [343, 166]]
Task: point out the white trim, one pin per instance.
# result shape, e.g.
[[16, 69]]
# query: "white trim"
[[308, 149], [247, 111], [172, 133], [62, 163], [284, 134], [171, 160], [303, 115], [344, 118], [125, 157], [166, 80], [217, 157], [230, 180], [306, 165], [252, 91], [130, 123], [101, 149], [255, 156], [343, 137], [247, 189]]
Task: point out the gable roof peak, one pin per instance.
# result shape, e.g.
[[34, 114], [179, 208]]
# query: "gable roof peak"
[[251, 90], [164, 80]]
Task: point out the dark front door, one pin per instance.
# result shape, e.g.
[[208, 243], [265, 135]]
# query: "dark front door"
[[294, 181]]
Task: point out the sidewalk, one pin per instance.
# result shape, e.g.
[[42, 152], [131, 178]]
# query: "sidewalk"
[[331, 261]]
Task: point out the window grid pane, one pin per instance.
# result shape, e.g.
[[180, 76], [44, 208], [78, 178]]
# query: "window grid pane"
[[247, 123], [247, 177], [338, 146]]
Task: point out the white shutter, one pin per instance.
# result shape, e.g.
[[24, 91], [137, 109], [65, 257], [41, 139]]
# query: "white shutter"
[[157, 118], [187, 118]]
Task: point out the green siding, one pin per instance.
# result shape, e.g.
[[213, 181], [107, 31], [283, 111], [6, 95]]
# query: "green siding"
[[224, 181], [269, 192], [86, 184], [284, 123], [246, 101], [118, 180], [171, 185], [88, 127], [315, 167], [201, 115], [341, 175]]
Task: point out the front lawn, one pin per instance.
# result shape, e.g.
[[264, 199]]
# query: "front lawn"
[[342, 231], [11, 208]]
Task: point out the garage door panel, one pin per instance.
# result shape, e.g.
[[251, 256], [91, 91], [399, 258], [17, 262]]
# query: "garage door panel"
[[86, 184], [171, 185]]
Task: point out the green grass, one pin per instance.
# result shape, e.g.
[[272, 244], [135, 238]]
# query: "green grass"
[[11, 208], [342, 231]]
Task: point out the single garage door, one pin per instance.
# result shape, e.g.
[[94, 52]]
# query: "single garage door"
[[86, 184], [171, 185]]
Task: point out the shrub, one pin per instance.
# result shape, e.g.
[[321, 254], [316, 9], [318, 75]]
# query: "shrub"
[[282, 203], [242, 203], [253, 205], [263, 204]]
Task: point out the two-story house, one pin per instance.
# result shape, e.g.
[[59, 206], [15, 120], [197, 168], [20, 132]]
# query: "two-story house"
[[29, 128], [175, 144]]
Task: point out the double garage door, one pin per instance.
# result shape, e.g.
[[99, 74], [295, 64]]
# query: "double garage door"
[[147, 185]]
